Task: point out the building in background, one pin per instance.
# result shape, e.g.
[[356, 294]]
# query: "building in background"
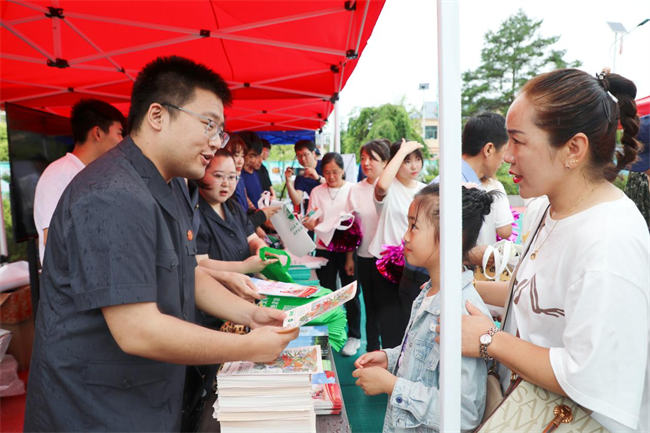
[[430, 127]]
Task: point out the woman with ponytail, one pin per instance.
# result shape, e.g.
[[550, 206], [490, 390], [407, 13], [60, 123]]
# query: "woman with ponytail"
[[578, 320]]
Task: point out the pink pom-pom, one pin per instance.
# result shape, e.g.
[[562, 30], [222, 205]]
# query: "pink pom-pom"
[[391, 263], [513, 236], [345, 240]]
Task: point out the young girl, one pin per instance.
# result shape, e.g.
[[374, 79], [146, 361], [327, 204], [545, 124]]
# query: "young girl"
[[330, 200], [394, 192], [409, 373]]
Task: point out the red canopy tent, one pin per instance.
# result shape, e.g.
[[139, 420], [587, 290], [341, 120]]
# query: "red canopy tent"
[[285, 61], [643, 106]]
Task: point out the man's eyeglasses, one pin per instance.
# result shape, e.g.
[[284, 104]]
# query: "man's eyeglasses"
[[212, 131]]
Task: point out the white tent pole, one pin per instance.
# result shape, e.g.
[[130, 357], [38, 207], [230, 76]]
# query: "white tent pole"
[[337, 135], [450, 214]]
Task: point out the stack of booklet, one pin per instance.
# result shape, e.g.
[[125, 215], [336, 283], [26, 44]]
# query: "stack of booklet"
[[326, 392], [269, 397]]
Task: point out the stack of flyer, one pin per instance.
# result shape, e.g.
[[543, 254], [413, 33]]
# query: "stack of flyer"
[[269, 397]]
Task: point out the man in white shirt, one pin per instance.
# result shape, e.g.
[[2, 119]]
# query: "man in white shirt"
[[483, 145], [96, 128]]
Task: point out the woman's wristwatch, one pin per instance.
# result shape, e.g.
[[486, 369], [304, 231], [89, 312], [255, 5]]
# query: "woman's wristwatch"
[[484, 342]]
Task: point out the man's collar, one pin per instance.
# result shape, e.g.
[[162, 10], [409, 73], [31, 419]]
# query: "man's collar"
[[160, 189]]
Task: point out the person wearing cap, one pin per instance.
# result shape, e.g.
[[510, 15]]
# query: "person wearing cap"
[[637, 187]]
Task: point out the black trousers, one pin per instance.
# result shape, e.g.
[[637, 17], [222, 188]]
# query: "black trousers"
[[384, 316], [327, 276]]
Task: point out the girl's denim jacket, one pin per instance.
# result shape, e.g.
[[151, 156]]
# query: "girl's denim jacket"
[[413, 405]]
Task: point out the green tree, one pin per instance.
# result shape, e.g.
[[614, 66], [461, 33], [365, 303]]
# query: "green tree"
[[389, 121], [17, 251], [4, 143], [510, 56]]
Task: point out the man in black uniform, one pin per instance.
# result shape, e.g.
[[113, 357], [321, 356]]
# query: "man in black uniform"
[[114, 324]]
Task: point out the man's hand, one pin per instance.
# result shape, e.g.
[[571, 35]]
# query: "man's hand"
[[375, 380], [311, 173], [288, 172], [268, 342], [241, 285], [263, 316], [376, 358]]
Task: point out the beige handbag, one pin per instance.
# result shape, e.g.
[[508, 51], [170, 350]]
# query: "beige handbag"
[[527, 407]]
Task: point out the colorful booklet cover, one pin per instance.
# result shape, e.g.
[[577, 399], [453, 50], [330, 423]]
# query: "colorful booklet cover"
[[278, 288], [311, 336], [306, 313], [295, 360], [326, 395]]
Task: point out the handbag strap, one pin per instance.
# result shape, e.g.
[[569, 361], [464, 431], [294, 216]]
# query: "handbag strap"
[[514, 273], [493, 368]]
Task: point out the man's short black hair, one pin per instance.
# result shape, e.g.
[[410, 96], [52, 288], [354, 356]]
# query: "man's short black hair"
[[252, 140], [266, 144], [88, 113], [481, 129], [304, 144], [172, 80]]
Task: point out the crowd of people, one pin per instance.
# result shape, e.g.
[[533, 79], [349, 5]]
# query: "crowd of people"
[[151, 228]]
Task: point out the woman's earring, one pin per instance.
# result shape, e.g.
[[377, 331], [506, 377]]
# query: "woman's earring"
[[570, 163]]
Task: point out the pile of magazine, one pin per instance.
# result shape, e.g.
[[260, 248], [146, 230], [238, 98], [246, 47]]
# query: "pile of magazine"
[[269, 397], [325, 390]]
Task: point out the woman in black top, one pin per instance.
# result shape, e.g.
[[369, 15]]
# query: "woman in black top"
[[226, 242]]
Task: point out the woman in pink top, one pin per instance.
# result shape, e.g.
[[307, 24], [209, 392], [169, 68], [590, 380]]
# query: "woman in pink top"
[[382, 304]]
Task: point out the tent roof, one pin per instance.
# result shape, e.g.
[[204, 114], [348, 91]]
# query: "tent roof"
[[643, 106], [285, 61]]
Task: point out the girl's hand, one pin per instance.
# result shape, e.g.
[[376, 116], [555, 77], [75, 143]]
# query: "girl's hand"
[[376, 358], [375, 380], [409, 146]]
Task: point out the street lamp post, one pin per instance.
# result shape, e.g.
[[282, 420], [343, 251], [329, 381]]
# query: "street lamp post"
[[618, 29]]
